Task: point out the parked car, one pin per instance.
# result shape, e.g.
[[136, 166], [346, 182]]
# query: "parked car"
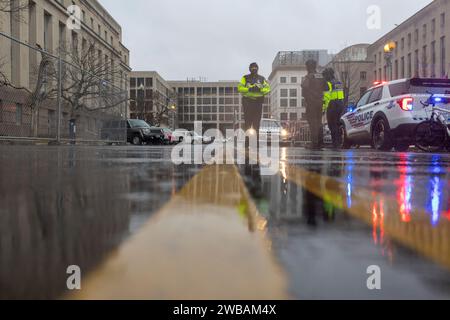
[[135, 131], [183, 135], [271, 127], [180, 135], [168, 136], [157, 135], [388, 114]]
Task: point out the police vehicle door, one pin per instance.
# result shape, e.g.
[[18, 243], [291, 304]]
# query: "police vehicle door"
[[353, 125], [365, 113]]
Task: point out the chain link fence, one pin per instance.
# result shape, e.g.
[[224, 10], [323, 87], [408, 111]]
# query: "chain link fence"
[[72, 96]]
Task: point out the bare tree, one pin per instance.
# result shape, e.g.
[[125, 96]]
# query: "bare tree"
[[161, 108], [87, 81]]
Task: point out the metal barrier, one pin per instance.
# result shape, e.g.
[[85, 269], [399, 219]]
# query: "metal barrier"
[[74, 96]]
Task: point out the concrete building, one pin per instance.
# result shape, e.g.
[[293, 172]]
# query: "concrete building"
[[420, 46], [288, 70], [217, 104], [48, 25], [352, 67], [152, 99], [45, 22]]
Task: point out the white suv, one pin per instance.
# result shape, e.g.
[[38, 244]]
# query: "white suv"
[[387, 115]]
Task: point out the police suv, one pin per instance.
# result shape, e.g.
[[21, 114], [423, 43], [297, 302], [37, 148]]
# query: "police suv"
[[387, 115]]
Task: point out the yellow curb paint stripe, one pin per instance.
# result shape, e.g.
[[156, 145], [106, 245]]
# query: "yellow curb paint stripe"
[[207, 242]]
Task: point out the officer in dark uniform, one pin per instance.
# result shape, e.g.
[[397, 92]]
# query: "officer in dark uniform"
[[313, 88], [333, 105]]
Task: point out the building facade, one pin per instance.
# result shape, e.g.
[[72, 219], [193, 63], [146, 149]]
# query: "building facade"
[[419, 47], [217, 104], [352, 67], [288, 70], [152, 99], [85, 33], [45, 23]]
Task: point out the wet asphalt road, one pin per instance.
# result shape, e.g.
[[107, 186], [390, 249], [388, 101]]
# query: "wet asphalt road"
[[330, 216]]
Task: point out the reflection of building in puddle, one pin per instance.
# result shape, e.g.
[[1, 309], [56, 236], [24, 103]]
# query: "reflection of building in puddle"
[[285, 198], [56, 210]]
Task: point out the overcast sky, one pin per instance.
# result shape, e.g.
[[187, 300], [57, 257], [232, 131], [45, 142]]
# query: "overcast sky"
[[217, 39]]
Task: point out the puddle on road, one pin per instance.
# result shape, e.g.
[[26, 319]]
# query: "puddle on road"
[[326, 251]]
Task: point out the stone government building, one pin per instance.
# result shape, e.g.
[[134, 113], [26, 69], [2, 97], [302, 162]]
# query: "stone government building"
[[44, 23]]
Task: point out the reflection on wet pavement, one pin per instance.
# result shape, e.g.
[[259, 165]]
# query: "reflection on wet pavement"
[[208, 242], [400, 203], [320, 222], [64, 206]]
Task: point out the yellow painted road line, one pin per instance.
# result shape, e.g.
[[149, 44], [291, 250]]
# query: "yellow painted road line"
[[381, 211], [208, 242]]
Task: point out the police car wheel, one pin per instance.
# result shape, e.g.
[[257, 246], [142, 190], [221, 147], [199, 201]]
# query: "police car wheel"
[[345, 143], [381, 135]]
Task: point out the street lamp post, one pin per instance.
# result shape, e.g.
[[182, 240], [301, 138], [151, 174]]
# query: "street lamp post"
[[141, 93], [388, 54]]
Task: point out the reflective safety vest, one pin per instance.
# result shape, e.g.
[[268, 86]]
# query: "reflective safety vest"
[[335, 92], [250, 81]]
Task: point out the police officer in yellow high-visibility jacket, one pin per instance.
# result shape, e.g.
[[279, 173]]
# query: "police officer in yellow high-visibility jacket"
[[333, 105], [253, 88]]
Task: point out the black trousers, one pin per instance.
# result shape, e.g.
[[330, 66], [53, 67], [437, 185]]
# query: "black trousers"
[[334, 113], [316, 126], [252, 113]]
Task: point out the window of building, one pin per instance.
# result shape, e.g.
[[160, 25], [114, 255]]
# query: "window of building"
[[293, 103], [416, 36], [149, 82], [424, 35], [283, 80], [409, 68], [403, 43], [433, 26], [47, 32], [283, 116], [443, 60], [416, 63], [396, 69], [443, 20], [424, 62], [433, 60], [284, 93], [140, 82], [284, 103], [409, 40], [363, 75], [133, 82], [19, 114], [293, 116], [294, 79], [293, 93], [402, 67]]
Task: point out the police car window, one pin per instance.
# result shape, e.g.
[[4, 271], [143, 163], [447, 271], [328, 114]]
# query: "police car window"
[[376, 95], [364, 99], [398, 89]]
